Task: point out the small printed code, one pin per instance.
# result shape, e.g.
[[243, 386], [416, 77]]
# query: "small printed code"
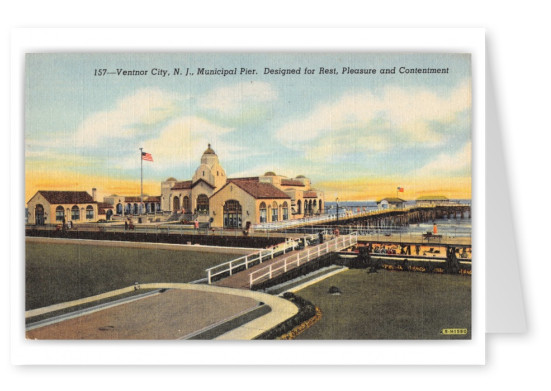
[[453, 331]]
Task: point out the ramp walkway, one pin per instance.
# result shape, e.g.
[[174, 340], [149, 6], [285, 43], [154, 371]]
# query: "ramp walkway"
[[284, 262]]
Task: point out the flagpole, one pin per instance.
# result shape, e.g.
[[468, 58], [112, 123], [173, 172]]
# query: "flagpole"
[[141, 181]]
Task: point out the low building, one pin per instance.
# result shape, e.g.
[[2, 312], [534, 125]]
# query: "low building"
[[210, 196], [105, 211], [432, 200], [130, 205], [391, 203], [56, 207]]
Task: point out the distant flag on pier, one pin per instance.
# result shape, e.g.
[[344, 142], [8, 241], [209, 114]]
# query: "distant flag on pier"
[[401, 189], [147, 156]]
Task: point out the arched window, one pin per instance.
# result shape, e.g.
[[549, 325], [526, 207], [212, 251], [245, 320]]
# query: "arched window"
[[299, 207], [176, 204], [89, 212], [262, 214], [108, 214], [75, 213], [187, 205], [39, 214], [119, 209], [232, 214], [203, 204], [135, 209], [320, 208], [285, 211], [275, 211], [59, 213]]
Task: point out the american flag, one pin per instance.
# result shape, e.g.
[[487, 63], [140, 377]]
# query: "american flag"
[[147, 156], [401, 189]]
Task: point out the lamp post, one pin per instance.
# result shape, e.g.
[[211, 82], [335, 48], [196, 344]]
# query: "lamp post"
[[337, 210]]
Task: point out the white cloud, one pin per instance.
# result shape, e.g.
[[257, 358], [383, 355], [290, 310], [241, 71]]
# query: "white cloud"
[[448, 164], [130, 117], [232, 100], [180, 141], [397, 114]]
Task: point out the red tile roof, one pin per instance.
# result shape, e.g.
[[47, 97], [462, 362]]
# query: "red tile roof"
[[291, 182], [103, 207], [201, 180], [153, 199], [132, 199], [67, 197], [258, 189], [310, 194], [249, 178], [183, 185]]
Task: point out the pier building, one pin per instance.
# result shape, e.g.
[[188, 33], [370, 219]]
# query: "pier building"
[[210, 196], [391, 202], [432, 200], [130, 205], [55, 207]]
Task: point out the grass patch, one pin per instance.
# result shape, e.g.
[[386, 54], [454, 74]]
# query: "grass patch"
[[390, 305], [56, 273]]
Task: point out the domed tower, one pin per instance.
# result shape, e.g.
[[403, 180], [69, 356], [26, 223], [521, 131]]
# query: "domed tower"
[[210, 169]]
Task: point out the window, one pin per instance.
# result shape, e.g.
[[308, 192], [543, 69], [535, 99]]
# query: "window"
[[203, 204], [232, 214], [75, 213], [262, 212], [285, 211], [89, 212], [59, 213], [274, 211], [175, 204], [186, 205]]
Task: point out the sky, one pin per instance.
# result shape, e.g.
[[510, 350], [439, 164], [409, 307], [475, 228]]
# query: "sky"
[[357, 136]]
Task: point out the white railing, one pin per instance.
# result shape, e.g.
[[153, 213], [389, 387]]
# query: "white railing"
[[254, 258], [344, 214], [330, 215], [308, 254]]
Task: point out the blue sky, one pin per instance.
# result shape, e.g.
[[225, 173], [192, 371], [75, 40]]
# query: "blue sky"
[[356, 136]]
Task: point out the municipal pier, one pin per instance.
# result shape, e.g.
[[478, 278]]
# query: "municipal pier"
[[279, 235]]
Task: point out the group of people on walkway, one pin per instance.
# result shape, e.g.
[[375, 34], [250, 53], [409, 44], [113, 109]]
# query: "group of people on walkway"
[[128, 224]]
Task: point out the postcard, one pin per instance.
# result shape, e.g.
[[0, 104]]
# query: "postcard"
[[249, 196]]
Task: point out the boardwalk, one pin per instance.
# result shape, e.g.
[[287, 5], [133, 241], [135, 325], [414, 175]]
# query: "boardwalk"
[[286, 262]]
